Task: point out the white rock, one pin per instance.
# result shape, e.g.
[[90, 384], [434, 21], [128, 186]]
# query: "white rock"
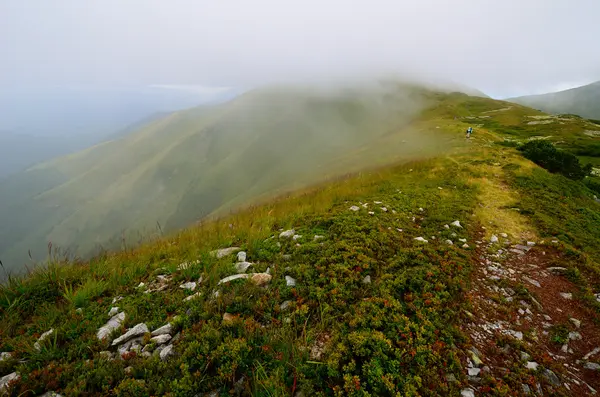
[[241, 256], [113, 311], [371, 213], [465, 245], [532, 281], [46, 334], [446, 227], [285, 305], [287, 234], [421, 239], [530, 244], [421, 209], [377, 202], [164, 330], [161, 339], [5, 356], [532, 365], [193, 296], [112, 324], [79, 310], [141, 285], [367, 279], [494, 238], [241, 267], [318, 237], [575, 336], [220, 253], [290, 281], [449, 242], [474, 371], [456, 223], [5, 380], [467, 393], [462, 240], [234, 277], [592, 366], [137, 330], [354, 208], [503, 235], [575, 322], [296, 237], [566, 295], [384, 209], [592, 353], [190, 285], [167, 352]]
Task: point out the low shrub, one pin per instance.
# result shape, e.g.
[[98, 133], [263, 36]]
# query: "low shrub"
[[557, 161]]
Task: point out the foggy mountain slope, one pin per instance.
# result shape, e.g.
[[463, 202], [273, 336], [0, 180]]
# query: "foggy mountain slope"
[[191, 163], [583, 101]]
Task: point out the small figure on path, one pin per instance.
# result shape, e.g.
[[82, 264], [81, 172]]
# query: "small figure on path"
[[469, 132]]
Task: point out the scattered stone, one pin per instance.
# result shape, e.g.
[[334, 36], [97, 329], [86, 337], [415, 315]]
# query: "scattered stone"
[[525, 356], [296, 237], [161, 339], [165, 329], [465, 245], [421, 209], [318, 237], [285, 305], [220, 253], [592, 353], [79, 310], [287, 234], [137, 330], [532, 281], [5, 356], [462, 240], [129, 370], [517, 251], [592, 366], [241, 267], [290, 281], [503, 235], [468, 392], [575, 336], [261, 279], [371, 213], [5, 380], [167, 353], [46, 334], [532, 365], [112, 324], [421, 239], [530, 244], [141, 285], [456, 224], [449, 242], [526, 389], [377, 202], [566, 295], [228, 318], [446, 227], [576, 323], [552, 378], [384, 209], [367, 279], [473, 371], [494, 238], [354, 208], [113, 311], [241, 256], [190, 285], [193, 296]]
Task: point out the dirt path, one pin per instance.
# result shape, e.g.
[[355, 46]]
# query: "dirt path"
[[527, 329]]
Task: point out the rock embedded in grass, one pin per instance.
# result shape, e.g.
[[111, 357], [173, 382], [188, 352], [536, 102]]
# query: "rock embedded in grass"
[[287, 234], [241, 256], [220, 253], [137, 330], [112, 324]]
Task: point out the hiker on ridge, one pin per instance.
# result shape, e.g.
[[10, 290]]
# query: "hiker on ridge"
[[469, 132]]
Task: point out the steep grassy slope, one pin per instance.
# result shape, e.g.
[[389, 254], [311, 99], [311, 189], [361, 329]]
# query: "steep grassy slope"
[[203, 161], [404, 330], [583, 101]]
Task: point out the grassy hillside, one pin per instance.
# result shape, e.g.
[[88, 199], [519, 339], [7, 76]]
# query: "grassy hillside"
[[190, 164], [583, 101], [369, 298]]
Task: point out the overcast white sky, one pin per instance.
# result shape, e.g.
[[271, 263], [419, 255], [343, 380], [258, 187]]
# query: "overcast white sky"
[[503, 47]]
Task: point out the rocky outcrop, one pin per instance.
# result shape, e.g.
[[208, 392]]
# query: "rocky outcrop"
[[137, 330], [114, 323]]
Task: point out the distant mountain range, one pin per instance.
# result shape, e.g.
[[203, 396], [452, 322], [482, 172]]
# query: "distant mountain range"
[[583, 101]]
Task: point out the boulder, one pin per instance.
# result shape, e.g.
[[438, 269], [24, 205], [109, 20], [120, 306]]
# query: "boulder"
[[166, 329], [220, 253], [137, 330], [592, 366], [287, 234], [167, 353], [190, 285], [161, 339], [241, 256], [5, 380], [290, 281], [241, 267], [46, 334]]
